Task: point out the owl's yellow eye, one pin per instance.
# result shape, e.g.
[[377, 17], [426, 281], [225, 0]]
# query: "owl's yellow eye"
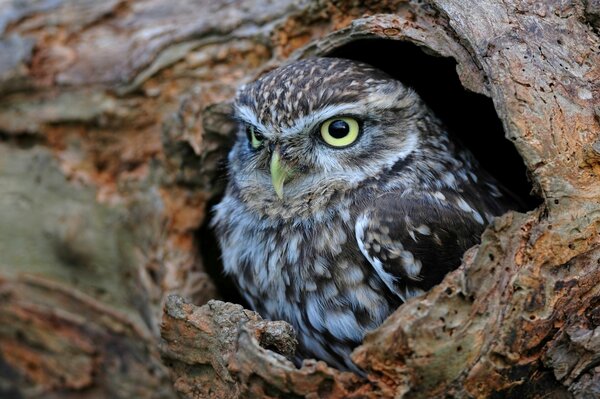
[[340, 131], [254, 137]]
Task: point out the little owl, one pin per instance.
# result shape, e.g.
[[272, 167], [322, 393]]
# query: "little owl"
[[346, 197]]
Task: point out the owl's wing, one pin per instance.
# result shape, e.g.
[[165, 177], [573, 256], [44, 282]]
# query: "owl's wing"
[[413, 242]]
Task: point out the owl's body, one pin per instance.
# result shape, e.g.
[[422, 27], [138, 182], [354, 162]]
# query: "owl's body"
[[346, 197]]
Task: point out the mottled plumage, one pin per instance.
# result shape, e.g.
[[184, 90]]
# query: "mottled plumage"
[[360, 222]]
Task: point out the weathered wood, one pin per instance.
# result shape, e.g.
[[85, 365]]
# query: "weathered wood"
[[218, 350], [510, 321], [113, 119]]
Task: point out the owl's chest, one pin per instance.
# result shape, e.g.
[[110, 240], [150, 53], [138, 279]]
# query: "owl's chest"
[[309, 272], [285, 259]]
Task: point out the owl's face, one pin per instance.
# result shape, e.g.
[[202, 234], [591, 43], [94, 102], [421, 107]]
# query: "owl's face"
[[317, 126]]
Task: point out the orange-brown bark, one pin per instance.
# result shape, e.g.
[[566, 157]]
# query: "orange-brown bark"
[[113, 119]]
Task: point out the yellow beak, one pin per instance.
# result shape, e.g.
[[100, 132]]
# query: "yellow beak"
[[279, 173]]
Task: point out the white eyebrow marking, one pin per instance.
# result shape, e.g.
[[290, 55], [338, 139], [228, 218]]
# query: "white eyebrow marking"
[[309, 122], [301, 124], [247, 115]]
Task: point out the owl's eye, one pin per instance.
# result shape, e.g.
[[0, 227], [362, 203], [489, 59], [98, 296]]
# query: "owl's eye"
[[340, 131], [254, 137]]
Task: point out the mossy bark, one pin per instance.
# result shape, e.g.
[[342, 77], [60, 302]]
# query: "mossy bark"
[[113, 119]]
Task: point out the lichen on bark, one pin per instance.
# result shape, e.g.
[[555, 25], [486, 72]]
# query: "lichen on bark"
[[113, 122]]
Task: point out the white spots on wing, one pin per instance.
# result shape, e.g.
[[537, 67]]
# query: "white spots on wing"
[[412, 235], [424, 230], [478, 218], [439, 196], [473, 177], [359, 228], [494, 191], [407, 258], [395, 251], [412, 266], [461, 174], [362, 224], [411, 229], [370, 238], [439, 167], [450, 180], [410, 292], [375, 283], [462, 204]]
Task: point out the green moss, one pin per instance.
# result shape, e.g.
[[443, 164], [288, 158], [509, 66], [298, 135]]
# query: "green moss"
[[55, 228]]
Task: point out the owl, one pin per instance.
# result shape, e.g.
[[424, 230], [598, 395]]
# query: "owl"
[[346, 197]]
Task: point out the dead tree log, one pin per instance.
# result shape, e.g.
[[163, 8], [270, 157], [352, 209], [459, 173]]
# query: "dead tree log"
[[113, 116]]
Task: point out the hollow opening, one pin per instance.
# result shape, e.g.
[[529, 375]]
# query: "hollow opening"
[[211, 258], [469, 117]]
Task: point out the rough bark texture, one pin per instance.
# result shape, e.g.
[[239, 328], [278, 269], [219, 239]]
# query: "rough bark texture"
[[113, 116]]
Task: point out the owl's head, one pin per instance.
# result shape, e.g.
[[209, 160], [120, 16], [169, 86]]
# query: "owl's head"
[[320, 125]]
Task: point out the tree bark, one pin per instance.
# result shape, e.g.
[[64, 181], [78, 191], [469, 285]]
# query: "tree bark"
[[114, 116]]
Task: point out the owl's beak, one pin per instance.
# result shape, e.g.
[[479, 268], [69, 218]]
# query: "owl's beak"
[[279, 173]]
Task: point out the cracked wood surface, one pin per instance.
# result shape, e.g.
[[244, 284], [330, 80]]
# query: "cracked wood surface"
[[113, 118]]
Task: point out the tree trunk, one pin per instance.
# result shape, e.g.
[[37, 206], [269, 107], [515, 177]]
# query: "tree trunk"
[[114, 117]]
